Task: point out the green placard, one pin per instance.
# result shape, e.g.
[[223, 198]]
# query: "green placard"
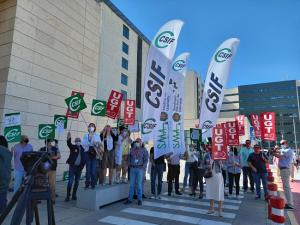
[[46, 131], [75, 103], [98, 108], [196, 134], [12, 134], [60, 121]]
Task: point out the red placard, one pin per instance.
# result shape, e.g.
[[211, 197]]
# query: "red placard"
[[76, 114], [232, 133], [240, 119], [219, 147], [113, 104], [268, 126], [255, 120], [129, 112]]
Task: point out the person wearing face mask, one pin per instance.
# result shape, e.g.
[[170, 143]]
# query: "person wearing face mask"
[[137, 159], [17, 151], [257, 162], [234, 170], [54, 154], [90, 143], [247, 173], [76, 164], [285, 158], [109, 140]]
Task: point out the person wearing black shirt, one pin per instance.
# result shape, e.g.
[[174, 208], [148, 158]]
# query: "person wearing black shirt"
[[157, 169], [257, 162], [54, 154], [76, 163]]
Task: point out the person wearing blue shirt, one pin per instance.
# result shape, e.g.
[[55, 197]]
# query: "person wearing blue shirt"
[[285, 156]]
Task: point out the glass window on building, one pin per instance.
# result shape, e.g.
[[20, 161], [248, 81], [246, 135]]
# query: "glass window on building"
[[125, 48], [124, 79], [125, 31], [124, 95], [125, 63]]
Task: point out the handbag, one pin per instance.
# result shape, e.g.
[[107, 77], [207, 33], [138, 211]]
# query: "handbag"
[[92, 152], [208, 172]]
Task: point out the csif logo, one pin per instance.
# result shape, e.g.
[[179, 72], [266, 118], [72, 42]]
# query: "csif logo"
[[59, 121], [222, 55], [45, 131], [148, 126], [97, 108], [179, 65], [206, 126], [12, 134], [75, 104], [164, 39]]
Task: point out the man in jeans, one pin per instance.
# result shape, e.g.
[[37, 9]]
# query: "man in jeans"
[[17, 152], [157, 170], [257, 162], [245, 152], [285, 157], [137, 159], [76, 163]]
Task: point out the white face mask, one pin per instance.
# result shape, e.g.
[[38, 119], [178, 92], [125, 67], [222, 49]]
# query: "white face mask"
[[91, 129], [137, 144], [78, 143], [52, 143], [283, 146]]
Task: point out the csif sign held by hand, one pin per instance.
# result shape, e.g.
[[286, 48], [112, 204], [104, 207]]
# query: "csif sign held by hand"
[[268, 126], [215, 83], [12, 134], [60, 121], [46, 131], [98, 108], [113, 104], [129, 112], [75, 103], [157, 71]]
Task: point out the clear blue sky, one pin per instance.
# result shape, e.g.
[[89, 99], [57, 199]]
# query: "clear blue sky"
[[269, 31]]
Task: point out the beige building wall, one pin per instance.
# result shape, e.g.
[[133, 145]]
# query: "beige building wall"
[[192, 95], [7, 21], [230, 106]]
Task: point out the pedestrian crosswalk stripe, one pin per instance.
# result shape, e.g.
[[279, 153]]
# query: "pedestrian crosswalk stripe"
[[121, 221], [194, 202], [204, 199], [174, 217], [186, 209]]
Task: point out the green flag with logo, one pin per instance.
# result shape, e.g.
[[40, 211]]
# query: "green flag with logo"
[[98, 108], [46, 131], [12, 134], [60, 121], [75, 103]]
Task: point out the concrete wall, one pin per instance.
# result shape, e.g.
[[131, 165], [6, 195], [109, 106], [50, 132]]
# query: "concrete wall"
[[7, 21]]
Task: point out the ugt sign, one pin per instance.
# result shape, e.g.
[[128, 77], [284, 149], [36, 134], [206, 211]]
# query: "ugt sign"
[[219, 146], [268, 126], [129, 112], [113, 104]]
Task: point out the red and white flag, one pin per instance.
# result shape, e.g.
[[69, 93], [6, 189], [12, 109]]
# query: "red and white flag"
[[255, 120], [240, 119], [219, 147], [268, 126], [113, 104], [232, 133], [129, 112]]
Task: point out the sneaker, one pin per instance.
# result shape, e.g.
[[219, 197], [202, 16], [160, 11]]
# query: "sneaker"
[[127, 202], [209, 212], [288, 207], [67, 199], [152, 197], [139, 202], [220, 214], [169, 194], [178, 193], [74, 198], [144, 196]]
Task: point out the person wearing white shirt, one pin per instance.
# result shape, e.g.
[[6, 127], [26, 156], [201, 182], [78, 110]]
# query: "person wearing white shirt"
[[90, 142]]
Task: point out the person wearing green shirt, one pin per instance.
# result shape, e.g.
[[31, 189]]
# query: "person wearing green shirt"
[[246, 150]]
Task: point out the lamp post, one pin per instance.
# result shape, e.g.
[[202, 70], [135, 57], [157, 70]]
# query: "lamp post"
[[295, 136]]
